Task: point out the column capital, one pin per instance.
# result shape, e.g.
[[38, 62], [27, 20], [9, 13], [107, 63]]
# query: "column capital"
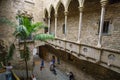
[[56, 15], [103, 2], [49, 17], [81, 9], [66, 13]]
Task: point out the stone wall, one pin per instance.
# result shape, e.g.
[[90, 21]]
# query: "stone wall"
[[9, 10], [91, 16], [112, 41], [90, 23]]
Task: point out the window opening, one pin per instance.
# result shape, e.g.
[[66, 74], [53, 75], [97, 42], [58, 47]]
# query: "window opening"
[[105, 27], [63, 28]]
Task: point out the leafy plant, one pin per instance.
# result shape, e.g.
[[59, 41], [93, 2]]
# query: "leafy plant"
[[23, 31]]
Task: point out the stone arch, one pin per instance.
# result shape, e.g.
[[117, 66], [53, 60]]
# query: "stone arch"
[[50, 9], [52, 20], [45, 16], [58, 4], [67, 4], [73, 20], [81, 3], [91, 15], [61, 20], [45, 13]]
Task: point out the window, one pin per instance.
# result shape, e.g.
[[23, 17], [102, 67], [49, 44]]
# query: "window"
[[63, 28], [105, 27]]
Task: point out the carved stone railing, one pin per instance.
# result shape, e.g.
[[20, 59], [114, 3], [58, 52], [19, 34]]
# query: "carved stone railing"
[[105, 57]]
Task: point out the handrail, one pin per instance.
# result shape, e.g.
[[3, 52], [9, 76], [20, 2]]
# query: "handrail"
[[102, 48], [15, 76]]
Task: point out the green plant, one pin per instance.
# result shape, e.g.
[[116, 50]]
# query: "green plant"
[[23, 31]]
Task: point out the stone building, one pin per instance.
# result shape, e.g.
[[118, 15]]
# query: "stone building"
[[9, 9], [87, 34]]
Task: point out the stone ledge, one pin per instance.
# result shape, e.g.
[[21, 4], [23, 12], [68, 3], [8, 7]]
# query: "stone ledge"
[[30, 2]]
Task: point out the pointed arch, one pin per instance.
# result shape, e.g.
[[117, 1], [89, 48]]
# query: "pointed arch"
[[81, 2], [58, 4], [67, 4], [73, 10], [45, 13], [50, 9]]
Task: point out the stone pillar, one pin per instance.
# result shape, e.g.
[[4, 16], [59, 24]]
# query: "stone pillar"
[[80, 23], [103, 4], [48, 24], [56, 25], [66, 13]]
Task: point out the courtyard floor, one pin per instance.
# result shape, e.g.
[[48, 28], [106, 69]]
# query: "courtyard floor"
[[46, 74]]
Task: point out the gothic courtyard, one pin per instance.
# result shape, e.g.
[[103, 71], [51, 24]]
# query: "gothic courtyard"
[[59, 39]]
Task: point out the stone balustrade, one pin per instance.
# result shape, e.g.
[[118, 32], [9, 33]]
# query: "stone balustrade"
[[102, 56]]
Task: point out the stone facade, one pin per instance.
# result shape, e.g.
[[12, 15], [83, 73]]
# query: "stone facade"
[[88, 47], [68, 13], [9, 9], [90, 23]]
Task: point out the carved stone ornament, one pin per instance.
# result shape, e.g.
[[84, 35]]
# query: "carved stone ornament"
[[25, 13]]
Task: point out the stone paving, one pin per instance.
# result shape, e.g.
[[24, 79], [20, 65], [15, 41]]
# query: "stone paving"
[[2, 76], [46, 74]]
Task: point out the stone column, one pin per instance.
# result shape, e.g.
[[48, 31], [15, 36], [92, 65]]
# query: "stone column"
[[48, 24], [56, 25], [103, 4], [66, 13], [80, 23]]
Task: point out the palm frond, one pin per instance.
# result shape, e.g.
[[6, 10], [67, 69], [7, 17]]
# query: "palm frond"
[[43, 37], [21, 31], [37, 26]]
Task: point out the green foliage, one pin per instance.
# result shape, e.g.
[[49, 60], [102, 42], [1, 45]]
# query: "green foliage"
[[24, 30], [37, 26], [21, 32], [43, 37]]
